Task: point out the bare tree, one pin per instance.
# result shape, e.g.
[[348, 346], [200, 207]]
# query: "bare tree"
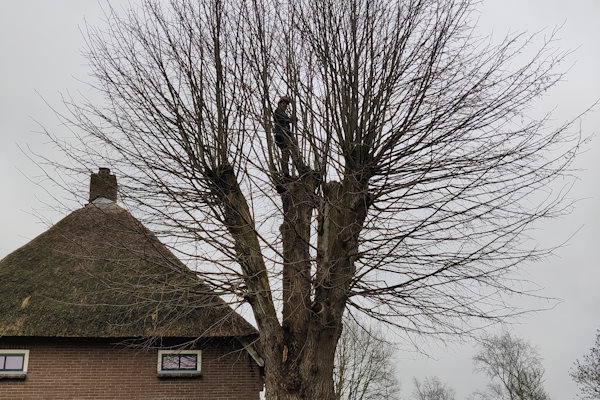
[[433, 389], [515, 368], [586, 373], [364, 368], [414, 171]]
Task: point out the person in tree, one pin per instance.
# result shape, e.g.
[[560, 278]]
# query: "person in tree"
[[284, 139]]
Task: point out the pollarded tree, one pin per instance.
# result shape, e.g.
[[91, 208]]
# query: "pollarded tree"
[[413, 167], [586, 373]]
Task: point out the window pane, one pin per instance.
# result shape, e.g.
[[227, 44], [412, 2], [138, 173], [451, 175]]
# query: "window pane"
[[187, 361], [14, 363], [2, 358], [170, 361]]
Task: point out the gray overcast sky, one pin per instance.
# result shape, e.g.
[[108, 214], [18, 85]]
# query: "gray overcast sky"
[[40, 46]]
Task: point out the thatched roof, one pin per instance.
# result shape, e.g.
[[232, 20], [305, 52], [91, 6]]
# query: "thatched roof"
[[100, 273]]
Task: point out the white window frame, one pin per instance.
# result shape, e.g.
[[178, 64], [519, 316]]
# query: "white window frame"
[[15, 374], [178, 373]]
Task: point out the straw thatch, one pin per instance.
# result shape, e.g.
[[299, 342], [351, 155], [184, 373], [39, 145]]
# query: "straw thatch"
[[99, 273]]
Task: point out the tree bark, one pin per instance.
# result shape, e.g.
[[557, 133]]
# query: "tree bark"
[[298, 205], [301, 365]]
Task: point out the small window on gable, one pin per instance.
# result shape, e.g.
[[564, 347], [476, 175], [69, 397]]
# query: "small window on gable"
[[13, 363], [179, 363]]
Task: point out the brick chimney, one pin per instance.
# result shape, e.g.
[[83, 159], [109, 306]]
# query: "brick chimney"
[[104, 185]]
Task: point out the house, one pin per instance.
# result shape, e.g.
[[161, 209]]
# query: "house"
[[97, 307]]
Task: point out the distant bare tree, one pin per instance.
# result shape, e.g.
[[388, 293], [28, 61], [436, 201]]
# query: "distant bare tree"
[[432, 388], [515, 368], [364, 368], [412, 168], [586, 373]]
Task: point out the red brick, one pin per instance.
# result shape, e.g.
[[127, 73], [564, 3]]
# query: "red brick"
[[85, 369]]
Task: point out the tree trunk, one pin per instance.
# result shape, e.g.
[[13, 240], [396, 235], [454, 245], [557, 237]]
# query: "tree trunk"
[[309, 377], [301, 366]]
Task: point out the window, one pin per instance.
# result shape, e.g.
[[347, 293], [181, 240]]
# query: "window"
[[179, 363], [13, 363]]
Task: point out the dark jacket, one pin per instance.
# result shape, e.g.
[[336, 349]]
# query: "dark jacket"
[[283, 126]]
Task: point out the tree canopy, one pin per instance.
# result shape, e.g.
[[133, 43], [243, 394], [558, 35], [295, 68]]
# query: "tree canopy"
[[514, 366], [416, 170], [586, 372]]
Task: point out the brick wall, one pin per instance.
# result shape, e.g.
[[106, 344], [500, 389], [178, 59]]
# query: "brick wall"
[[101, 369]]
